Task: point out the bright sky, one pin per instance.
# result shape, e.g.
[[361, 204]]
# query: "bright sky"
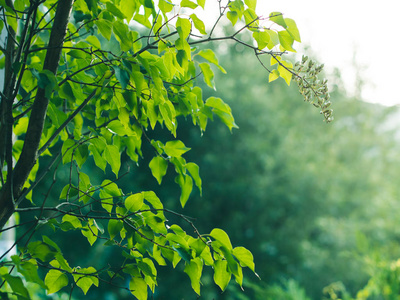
[[341, 29]]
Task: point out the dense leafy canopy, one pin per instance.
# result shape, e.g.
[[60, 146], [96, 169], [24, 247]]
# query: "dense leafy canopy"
[[89, 81]]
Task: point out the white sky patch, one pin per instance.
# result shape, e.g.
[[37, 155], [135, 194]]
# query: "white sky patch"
[[343, 33], [339, 30]]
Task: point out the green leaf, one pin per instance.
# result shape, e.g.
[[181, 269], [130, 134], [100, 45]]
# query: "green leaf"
[[198, 24], [284, 71], [251, 4], [175, 148], [70, 222], [122, 76], [120, 129], [98, 159], [55, 280], [121, 31], [286, 40], [155, 222], [78, 54], [262, 38], [222, 276], [134, 202], [114, 10], [183, 27], [86, 281], [29, 270], [113, 157], [188, 3], [94, 41], [128, 7], [201, 3], [186, 184], [221, 237], [209, 55], [244, 256], [149, 4], [158, 166], [90, 232], [292, 29], [273, 75], [138, 288], [232, 16], [17, 285], [152, 198], [104, 28], [21, 127], [222, 110], [274, 39], [208, 74], [47, 81], [42, 251], [114, 227], [194, 269], [165, 6], [194, 172], [66, 150], [277, 18], [251, 19]]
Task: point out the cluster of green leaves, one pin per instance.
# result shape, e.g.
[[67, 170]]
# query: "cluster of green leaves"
[[125, 68]]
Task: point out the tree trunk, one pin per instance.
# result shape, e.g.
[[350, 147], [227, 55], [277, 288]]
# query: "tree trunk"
[[29, 153]]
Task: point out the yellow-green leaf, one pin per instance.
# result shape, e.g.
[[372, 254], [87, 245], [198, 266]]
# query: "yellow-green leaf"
[[158, 166], [273, 75], [113, 157], [292, 29], [221, 274], [277, 18], [138, 288], [134, 202], [222, 238], [286, 40], [55, 280]]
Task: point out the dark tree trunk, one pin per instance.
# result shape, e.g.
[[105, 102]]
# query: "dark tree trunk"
[[15, 181]]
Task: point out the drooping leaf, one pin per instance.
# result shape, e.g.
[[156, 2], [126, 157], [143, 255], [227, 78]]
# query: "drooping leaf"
[[113, 157], [208, 74], [86, 281], [198, 24], [221, 274], [292, 29], [194, 172], [194, 269], [244, 256], [138, 288], [286, 40], [158, 166]]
